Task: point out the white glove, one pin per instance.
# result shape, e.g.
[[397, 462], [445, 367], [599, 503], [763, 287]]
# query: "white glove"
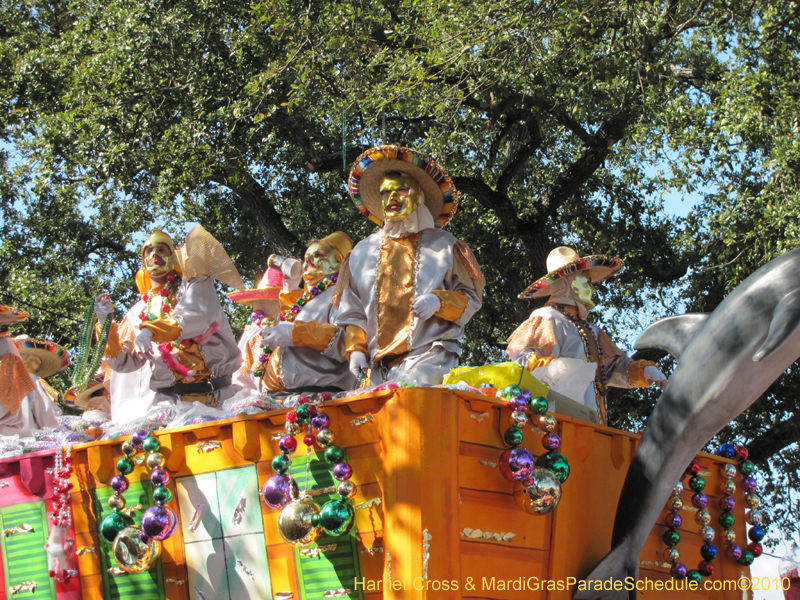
[[358, 362], [142, 343], [424, 306], [654, 375], [277, 336], [103, 307]]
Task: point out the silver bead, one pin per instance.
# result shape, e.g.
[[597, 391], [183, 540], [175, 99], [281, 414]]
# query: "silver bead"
[[292, 428], [755, 518], [677, 489], [707, 534], [518, 419], [346, 489], [156, 459], [128, 448], [729, 471]]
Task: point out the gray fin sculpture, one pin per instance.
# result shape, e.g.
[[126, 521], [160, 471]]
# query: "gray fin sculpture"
[[727, 360], [672, 334]]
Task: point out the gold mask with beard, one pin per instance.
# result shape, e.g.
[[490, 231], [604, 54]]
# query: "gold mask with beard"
[[319, 261]]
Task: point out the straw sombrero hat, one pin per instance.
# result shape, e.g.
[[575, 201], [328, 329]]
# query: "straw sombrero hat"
[[369, 171], [53, 357], [269, 288], [564, 261], [11, 315], [76, 400]]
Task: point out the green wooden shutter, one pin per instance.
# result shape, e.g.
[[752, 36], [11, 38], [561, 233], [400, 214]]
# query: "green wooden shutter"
[[332, 569], [141, 586], [24, 557]]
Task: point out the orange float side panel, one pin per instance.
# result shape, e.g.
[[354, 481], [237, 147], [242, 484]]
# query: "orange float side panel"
[[435, 519]]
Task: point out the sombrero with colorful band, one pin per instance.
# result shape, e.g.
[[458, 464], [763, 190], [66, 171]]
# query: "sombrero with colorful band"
[[563, 262], [369, 171], [54, 357], [11, 315], [75, 400], [269, 288]]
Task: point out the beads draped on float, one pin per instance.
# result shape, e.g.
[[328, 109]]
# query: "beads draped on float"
[[541, 478], [301, 520], [136, 548], [744, 556], [673, 521]]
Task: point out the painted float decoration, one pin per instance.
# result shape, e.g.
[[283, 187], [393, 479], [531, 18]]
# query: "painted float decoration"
[[433, 512], [426, 511]]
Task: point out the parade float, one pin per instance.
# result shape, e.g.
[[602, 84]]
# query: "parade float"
[[434, 515], [490, 485]]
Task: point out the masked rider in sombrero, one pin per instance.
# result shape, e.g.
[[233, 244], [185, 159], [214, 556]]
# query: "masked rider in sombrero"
[[408, 290], [559, 330], [181, 330], [26, 401]]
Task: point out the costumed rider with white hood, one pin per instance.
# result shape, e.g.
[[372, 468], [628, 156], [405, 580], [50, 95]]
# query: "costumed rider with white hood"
[[564, 350], [182, 330], [304, 351], [408, 290]]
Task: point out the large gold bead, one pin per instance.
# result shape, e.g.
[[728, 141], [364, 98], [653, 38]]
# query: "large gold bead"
[[703, 517], [296, 523], [132, 554], [676, 503], [728, 486]]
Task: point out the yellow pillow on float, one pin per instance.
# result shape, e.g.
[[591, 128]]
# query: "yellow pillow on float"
[[498, 375]]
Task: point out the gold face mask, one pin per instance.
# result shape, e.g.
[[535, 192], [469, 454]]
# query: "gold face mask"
[[319, 261], [158, 254], [584, 290], [400, 197]]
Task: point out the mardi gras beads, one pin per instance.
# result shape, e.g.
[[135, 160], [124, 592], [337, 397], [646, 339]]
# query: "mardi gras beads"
[[60, 545], [259, 319], [88, 360], [168, 295], [673, 521], [671, 536], [136, 548], [744, 556], [540, 478], [291, 314], [300, 519]]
